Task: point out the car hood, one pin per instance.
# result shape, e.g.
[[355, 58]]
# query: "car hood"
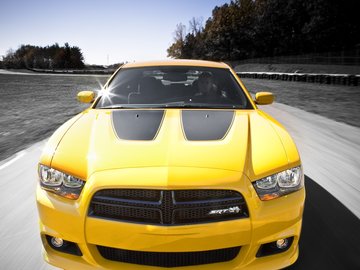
[[247, 141]]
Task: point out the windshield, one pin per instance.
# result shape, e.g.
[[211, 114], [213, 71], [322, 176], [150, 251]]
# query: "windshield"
[[173, 87]]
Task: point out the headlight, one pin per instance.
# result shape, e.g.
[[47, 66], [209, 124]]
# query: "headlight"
[[60, 183], [279, 184]]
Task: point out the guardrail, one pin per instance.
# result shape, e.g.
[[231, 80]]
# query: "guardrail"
[[342, 79]]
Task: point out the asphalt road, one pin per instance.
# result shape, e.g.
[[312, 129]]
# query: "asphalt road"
[[329, 150], [331, 233]]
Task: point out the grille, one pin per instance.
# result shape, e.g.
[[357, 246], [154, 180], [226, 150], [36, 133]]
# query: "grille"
[[169, 259], [168, 207]]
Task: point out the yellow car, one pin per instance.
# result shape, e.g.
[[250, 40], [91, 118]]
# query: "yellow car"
[[172, 165]]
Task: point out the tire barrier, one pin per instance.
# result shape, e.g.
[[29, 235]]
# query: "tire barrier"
[[74, 71], [342, 79]]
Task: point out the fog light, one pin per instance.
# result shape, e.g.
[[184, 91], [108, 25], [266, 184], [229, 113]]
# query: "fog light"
[[278, 246], [282, 243], [57, 242], [62, 245]]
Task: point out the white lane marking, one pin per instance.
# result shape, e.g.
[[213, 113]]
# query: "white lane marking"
[[17, 156]]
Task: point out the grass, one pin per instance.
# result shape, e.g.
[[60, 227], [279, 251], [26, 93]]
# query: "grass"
[[33, 106]]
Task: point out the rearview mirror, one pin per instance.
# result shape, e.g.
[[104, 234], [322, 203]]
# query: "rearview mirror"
[[86, 96], [264, 98]]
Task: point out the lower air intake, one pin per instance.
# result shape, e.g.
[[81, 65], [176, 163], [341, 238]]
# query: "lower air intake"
[[169, 259]]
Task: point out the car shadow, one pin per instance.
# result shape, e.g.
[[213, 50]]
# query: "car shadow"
[[330, 236]]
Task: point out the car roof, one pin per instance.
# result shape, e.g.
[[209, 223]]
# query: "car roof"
[[182, 62]]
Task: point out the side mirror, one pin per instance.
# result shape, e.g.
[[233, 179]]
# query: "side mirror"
[[264, 98], [86, 96]]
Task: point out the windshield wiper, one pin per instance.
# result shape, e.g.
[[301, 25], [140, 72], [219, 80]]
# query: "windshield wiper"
[[132, 106], [174, 105], [182, 104], [115, 107]]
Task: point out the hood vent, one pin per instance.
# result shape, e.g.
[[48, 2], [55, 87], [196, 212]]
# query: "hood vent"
[[206, 125], [141, 125]]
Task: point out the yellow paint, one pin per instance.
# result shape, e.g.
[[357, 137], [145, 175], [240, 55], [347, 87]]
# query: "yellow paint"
[[87, 147], [264, 98], [86, 96], [196, 63]]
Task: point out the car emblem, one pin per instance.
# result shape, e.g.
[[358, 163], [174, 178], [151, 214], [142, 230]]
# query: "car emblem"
[[230, 210]]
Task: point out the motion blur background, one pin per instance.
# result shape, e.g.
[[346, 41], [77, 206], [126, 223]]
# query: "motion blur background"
[[306, 52]]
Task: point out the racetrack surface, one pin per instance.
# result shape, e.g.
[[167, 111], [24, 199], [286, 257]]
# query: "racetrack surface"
[[329, 150], [330, 154], [330, 234]]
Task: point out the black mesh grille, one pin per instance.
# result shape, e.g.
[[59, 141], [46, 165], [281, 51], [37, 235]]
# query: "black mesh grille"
[[131, 194], [131, 213], [168, 207], [204, 194], [169, 259]]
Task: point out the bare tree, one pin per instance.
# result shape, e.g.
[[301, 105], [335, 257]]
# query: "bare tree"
[[196, 25], [180, 33]]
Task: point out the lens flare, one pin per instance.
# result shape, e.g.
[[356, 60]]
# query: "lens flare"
[[109, 96]]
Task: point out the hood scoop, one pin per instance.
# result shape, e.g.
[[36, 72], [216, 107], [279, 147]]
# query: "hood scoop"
[[140, 125], [206, 125]]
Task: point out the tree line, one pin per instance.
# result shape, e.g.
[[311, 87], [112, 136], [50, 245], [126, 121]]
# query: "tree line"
[[245, 29], [49, 57]]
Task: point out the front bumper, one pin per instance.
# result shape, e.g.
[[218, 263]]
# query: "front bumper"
[[268, 221]]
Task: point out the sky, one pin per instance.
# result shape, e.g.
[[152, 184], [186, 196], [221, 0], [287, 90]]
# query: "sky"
[[107, 31]]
